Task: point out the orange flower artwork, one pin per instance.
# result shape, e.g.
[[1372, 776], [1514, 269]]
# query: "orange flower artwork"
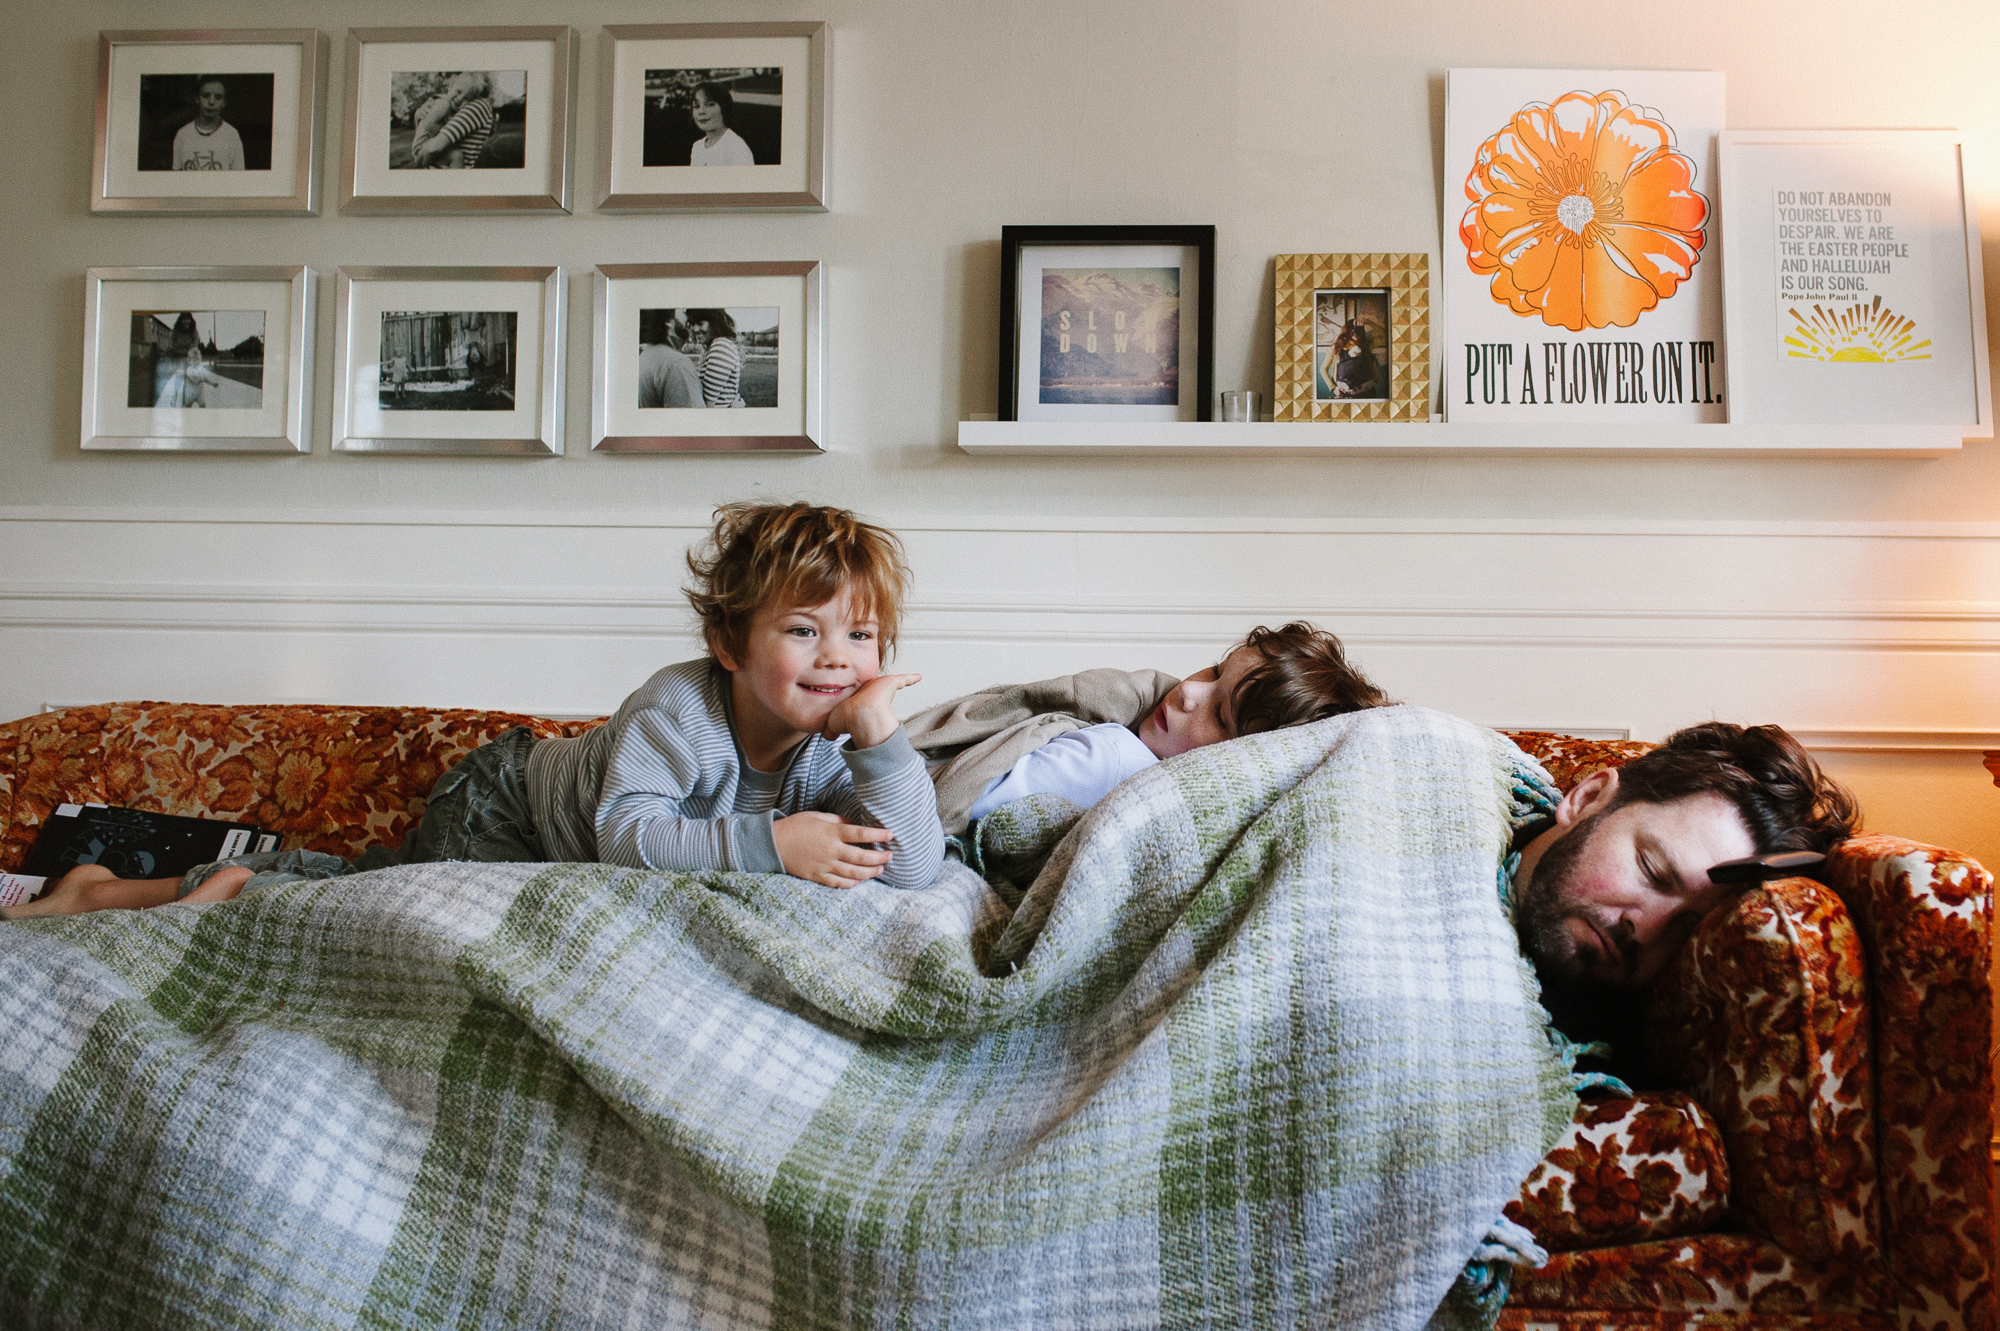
[[1584, 212]]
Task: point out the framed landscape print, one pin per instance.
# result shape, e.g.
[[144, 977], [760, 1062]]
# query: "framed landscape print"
[[1353, 337], [713, 116], [208, 122], [1854, 290], [1106, 323], [448, 360], [215, 359], [458, 120], [708, 357]]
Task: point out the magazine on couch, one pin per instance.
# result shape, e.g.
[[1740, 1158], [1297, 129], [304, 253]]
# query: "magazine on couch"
[[131, 843]]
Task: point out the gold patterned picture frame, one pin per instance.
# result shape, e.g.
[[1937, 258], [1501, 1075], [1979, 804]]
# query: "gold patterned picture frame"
[[1332, 314]]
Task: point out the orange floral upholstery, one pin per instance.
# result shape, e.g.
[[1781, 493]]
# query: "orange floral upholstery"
[[1629, 1170], [1834, 1042]]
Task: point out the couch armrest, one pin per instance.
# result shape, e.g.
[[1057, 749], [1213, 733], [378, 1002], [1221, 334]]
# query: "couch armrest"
[[1925, 917]]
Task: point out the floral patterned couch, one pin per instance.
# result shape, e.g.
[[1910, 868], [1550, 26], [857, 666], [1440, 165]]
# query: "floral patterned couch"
[[1823, 1164]]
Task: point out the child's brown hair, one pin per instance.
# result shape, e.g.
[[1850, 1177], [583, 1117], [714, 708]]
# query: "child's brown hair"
[[799, 554], [1304, 675]]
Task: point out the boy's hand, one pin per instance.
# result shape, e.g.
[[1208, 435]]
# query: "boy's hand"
[[865, 715], [821, 848]]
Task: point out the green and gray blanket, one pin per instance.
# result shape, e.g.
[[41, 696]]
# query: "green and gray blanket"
[[1254, 1048]]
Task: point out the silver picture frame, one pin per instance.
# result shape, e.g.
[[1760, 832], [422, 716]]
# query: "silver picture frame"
[[291, 124], [794, 422], [628, 183], [538, 297], [115, 297], [540, 183]]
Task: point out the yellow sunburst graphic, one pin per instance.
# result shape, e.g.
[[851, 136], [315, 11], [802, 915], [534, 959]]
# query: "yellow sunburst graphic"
[[1855, 334]]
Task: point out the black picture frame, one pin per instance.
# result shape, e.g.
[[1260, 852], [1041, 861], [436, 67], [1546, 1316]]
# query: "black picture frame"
[[1017, 240]]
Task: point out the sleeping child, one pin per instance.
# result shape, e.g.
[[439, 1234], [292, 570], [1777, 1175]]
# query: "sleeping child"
[[1080, 735]]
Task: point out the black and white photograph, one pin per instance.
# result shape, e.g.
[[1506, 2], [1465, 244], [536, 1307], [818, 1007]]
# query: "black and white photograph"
[[448, 360], [205, 122], [714, 117], [708, 358], [208, 122], [457, 119], [1351, 345], [197, 358]]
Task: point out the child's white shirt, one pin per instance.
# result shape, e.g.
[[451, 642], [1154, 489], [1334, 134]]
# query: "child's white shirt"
[[1080, 765]]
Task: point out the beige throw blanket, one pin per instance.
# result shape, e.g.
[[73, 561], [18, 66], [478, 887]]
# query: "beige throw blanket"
[[969, 741]]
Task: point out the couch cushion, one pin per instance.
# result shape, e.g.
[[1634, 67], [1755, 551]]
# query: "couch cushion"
[[1568, 759], [1726, 1281], [1764, 1018], [1628, 1170]]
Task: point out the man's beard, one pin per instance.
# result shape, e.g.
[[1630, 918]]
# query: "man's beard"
[[1541, 907]]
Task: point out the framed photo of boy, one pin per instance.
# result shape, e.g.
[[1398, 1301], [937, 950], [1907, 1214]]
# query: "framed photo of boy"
[[215, 359], [458, 120], [708, 357], [1353, 339], [1853, 290], [208, 122], [1107, 323], [713, 117], [449, 360]]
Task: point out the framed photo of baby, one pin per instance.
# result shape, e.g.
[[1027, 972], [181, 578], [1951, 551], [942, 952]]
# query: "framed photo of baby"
[[207, 359], [708, 357], [208, 122], [714, 116], [1352, 337], [458, 120]]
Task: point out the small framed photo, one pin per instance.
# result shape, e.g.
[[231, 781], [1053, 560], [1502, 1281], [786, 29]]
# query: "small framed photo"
[[458, 120], [1107, 323], [708, 357], [1352, 338], [216, 359], [448, 360], [1853, 290], [713, 117], [208, 122]]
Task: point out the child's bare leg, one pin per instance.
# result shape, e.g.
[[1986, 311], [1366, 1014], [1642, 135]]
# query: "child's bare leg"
[[90, 887]]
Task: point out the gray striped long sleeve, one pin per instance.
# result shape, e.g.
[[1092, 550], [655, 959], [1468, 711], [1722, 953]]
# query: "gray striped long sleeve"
[[661, 786]]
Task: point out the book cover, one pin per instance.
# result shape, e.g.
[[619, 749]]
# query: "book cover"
[[132, 843]]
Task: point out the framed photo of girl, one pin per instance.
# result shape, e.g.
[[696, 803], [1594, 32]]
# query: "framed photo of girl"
[[708, 357], [713, 117], [1353, 338], [198, 359], [449, 360], [458, 120], [209, 122], [1107, 323]]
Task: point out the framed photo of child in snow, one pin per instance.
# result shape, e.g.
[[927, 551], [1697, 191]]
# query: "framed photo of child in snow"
[[458, 120], [449, 360], [198, 359], [708, 357], [209, 122], [1107, 323], [1352, 337], [709, 117]]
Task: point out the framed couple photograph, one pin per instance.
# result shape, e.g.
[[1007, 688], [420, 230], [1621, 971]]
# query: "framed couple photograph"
[[198, 359], [458, 120], [209, 122], [708, 357], [1107, 323], [713, 117], [1854, 289], [1352, 337], [449, 360]]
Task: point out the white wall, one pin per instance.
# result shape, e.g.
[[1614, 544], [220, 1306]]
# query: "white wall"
[[1855, 596]]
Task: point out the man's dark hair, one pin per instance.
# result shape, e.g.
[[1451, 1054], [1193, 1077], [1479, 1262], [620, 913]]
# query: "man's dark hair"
[[1304, 676], [1786, 801]]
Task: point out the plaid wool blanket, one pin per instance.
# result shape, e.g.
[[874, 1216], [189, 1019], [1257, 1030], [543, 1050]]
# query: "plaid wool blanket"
[[1254, 1048]]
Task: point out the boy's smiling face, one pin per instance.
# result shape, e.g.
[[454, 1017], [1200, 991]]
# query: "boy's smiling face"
[[795, 667]]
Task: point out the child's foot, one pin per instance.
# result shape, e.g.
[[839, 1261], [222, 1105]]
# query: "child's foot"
[[71, 894]]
